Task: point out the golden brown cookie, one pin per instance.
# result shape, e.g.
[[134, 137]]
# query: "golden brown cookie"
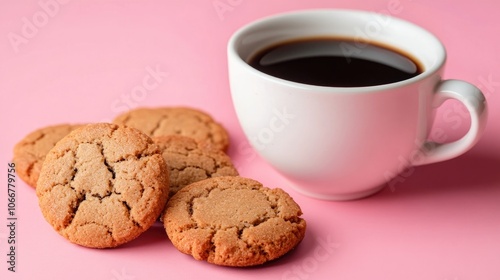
[[233, 221], [30, 152], [190, 161], [103, 185], [176, 121]]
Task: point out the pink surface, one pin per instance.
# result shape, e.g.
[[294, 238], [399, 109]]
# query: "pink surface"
[[86, 61]]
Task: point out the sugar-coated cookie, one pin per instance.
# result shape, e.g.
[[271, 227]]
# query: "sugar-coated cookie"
[[233, 221], [103, 185], [176, 121], [30, 152], [190, 161]]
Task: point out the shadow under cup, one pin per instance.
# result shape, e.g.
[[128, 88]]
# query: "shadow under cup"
[[337, 143]]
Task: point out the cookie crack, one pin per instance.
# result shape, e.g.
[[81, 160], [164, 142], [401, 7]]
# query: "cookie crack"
[[73, 174], [293, 219], [74, 209], [84, 195], [139, 181], [100, 197], [157, 126], [75, 170], [211, 136], [199, 119], [207, 173], [129, 212], [259, 221], [128, 207], [219, 164], [108, 228], [147, 154], [191, 206], [33, 142], [29, 170], [253, 246], [60, 154], [110, 168], [274, 205], [29, 152], [113, 130], [141, 155], [183, 153], [126, 119]]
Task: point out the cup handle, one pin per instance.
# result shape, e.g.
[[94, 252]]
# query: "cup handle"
[[474, 101]]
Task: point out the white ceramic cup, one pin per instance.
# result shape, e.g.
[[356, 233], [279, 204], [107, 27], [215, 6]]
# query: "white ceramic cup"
[[342, 143]]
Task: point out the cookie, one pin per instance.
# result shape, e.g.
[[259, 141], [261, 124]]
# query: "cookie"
[[103, 185], [233, 221], [30, 152], [176, 121], [190, 161]]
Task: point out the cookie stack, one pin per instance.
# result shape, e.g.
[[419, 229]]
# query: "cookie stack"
[[102, 185]]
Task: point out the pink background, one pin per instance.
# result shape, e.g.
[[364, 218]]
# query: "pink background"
[[83, 61]]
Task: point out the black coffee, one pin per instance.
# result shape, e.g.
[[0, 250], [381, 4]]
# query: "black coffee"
[[335, 62]]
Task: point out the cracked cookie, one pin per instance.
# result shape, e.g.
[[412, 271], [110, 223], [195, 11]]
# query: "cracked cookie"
[[30, 152], [103, 185], [190, 161], [176, 121], [233, 221]]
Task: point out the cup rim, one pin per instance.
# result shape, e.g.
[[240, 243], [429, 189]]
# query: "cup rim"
[[236, 36]]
